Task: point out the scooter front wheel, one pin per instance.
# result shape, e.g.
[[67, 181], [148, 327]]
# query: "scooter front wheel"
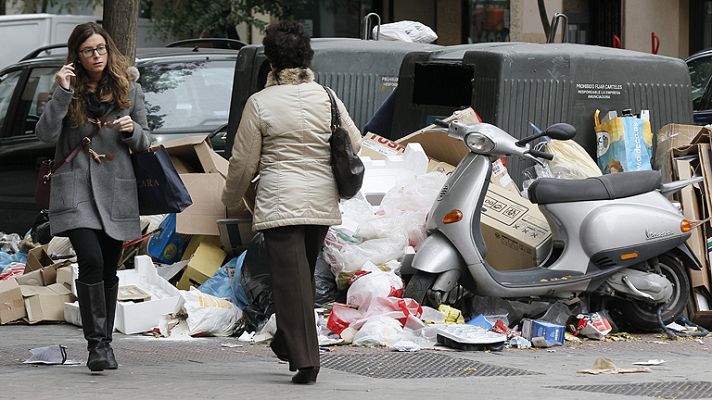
[[419, 285]]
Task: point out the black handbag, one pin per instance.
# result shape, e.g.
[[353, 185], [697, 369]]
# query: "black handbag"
[[160, 189], [347, 166]]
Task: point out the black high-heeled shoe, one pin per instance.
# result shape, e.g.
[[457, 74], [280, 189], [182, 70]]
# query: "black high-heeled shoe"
[[306, 376]]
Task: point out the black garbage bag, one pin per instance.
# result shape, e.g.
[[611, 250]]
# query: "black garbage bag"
[[40, 228], [256, 282], [324, 283]]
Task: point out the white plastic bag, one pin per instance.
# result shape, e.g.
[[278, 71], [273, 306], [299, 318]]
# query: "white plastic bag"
[[379, 331], [570, 161], [373, 285], [406, 31], [209, 315]]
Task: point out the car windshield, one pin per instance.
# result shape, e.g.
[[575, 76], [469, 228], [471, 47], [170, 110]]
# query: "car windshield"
[[700, 72], [187, 96]]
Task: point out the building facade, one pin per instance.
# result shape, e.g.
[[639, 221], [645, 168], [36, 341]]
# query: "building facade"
[[674, 28]]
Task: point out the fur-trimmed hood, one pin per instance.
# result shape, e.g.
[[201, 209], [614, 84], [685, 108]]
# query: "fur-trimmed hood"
[[290, 76]]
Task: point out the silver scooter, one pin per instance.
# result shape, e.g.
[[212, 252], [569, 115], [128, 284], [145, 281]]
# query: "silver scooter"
[[616, 238]]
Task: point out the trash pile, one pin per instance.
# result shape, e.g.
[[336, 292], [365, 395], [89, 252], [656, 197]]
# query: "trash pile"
[[211, 273]]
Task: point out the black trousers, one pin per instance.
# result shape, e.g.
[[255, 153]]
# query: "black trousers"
[[293, 251], [97, 255]]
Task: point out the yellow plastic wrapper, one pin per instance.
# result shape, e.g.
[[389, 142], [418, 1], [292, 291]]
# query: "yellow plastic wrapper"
[[452, 314]]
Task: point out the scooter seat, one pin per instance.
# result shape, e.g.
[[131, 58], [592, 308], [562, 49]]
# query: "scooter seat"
[[606, 187]]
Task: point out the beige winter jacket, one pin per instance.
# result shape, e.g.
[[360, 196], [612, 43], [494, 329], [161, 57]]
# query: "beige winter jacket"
[[285, 131]]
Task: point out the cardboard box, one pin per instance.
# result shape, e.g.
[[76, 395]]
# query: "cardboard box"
[[37, 258], [40, 269], [194, 154], [167, 245], [203, 172], [12, 306], [67, 276], [235, 234], [142, 317], [201, 217], [206, 257], [45, 303], [515, 232], [543, 334], [669, 137]]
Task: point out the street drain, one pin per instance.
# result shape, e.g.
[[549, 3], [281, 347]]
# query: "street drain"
[[414, 365], [662, 390]]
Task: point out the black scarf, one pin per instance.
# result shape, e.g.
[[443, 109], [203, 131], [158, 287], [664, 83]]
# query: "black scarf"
[[95, 108]]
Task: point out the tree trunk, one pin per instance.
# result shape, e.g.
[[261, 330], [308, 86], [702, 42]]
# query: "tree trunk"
[[121, 21]]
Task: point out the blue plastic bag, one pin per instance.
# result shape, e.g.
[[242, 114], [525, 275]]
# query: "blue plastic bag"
[[220, 284], [7, 259], [237, 290]]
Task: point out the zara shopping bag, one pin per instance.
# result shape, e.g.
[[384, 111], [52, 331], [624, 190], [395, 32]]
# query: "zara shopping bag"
[[160, 189], [347, 166]]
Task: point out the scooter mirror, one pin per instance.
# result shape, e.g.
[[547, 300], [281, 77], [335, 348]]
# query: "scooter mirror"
[[561, 131]]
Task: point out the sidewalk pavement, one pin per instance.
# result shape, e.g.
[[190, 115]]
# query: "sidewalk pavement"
[[223, 368]]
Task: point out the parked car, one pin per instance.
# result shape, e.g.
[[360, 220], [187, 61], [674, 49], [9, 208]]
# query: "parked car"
[[700, 66], [187, 92]]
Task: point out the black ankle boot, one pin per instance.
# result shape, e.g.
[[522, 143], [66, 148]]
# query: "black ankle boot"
[[92, 308], [110, 295], [306, 376]]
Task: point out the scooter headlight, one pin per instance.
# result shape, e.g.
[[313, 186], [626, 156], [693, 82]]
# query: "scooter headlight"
[[479, 143]]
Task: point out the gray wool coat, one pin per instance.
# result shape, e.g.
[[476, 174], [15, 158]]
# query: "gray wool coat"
[[85, 194]]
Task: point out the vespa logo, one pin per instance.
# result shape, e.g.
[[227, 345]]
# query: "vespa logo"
[[650, 235], [443, 192]]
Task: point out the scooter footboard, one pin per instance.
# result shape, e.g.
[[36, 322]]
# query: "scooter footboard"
[[436, 255]]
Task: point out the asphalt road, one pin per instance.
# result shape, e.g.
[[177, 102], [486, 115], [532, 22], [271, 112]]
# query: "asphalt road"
[[224, 368]]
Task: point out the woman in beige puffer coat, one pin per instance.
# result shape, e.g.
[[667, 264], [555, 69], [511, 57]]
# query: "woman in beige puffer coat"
[[284, 137]]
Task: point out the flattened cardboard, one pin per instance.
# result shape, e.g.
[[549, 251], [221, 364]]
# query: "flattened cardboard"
[[437, 144], [201, 217], [45, 303], [12, 306], [132, 293], [669, 137], [206, 257], [690, 197]]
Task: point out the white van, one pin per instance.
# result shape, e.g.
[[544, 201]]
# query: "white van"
[[23, 33]]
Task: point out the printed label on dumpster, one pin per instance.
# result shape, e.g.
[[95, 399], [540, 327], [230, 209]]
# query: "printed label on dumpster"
[[388, 83], [598, 90]]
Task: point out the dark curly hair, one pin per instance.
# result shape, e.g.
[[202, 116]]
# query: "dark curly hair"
[[287, 46]]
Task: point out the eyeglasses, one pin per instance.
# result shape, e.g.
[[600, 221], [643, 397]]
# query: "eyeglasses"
[[100, 50]]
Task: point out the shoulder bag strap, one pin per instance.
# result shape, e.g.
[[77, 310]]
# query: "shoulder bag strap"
[[335, 116], [85, 141]]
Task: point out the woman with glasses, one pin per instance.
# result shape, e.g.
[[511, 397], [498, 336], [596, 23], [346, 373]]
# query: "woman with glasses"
[[96, 114]]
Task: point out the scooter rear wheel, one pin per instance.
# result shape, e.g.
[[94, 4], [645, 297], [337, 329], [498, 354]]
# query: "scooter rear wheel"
[[419, 285], [644, 316]]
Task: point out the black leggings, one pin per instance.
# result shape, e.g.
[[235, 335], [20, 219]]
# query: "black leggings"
[[97, 256]]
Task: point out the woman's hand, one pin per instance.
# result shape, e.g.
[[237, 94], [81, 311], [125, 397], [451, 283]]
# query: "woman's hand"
[[64, 75], [125, 124]]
